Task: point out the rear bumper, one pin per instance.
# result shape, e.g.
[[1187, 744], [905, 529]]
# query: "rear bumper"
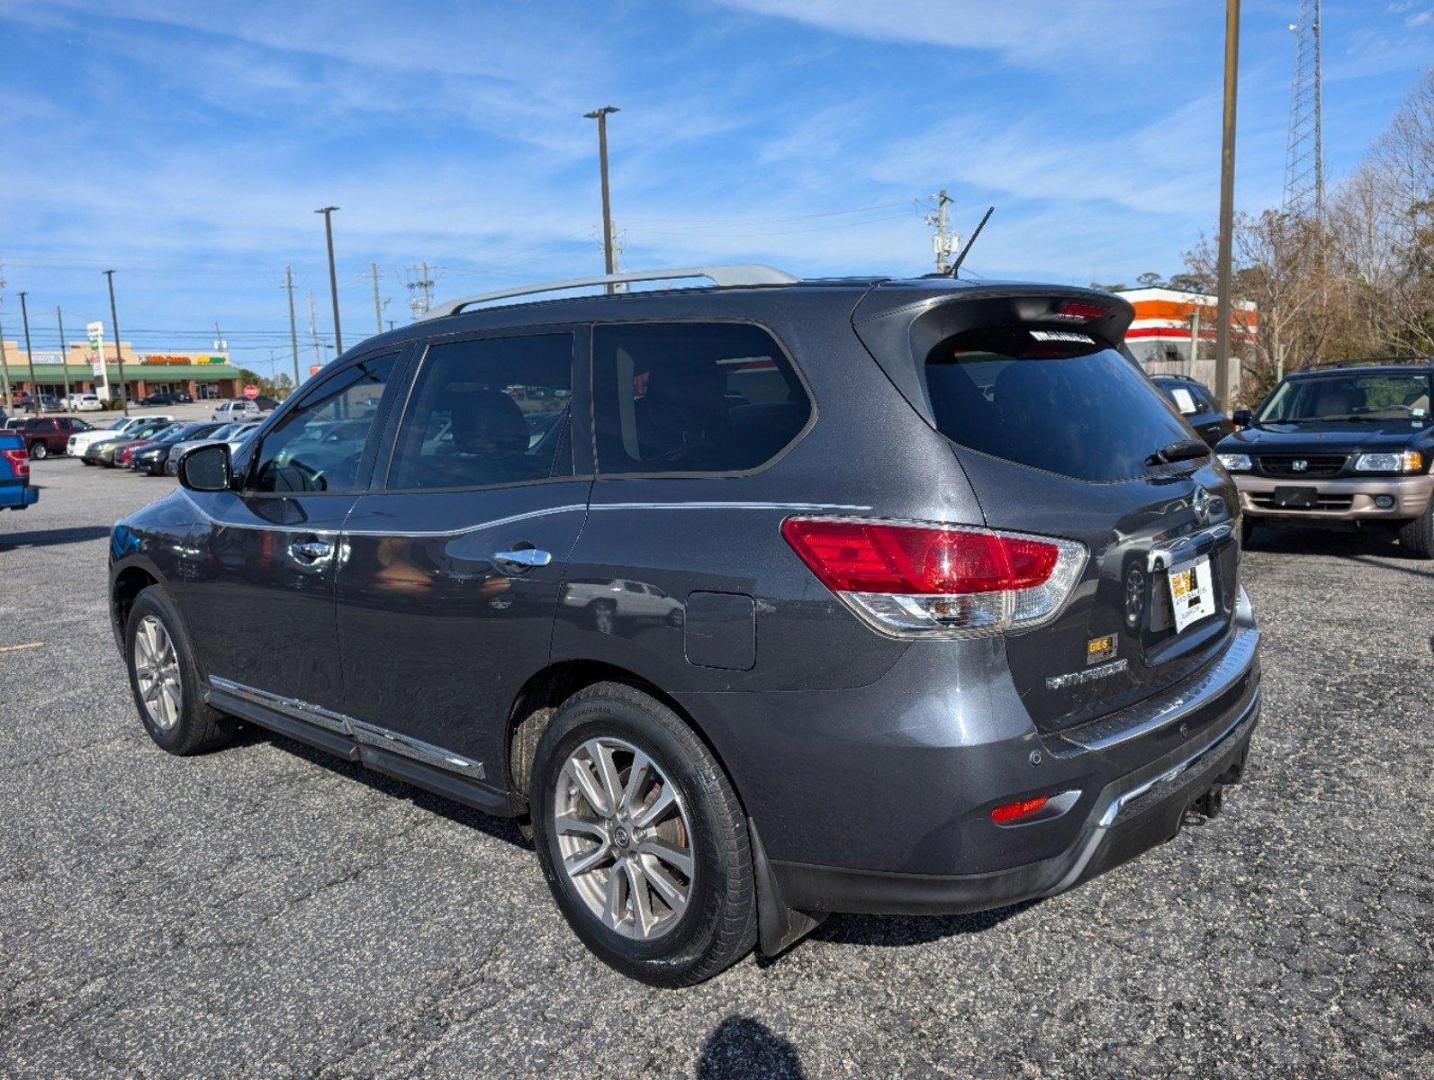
[[1132, 815], [1341, 500], [18, 498], [879, 798]]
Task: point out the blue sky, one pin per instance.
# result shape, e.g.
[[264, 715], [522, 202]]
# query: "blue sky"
[[186, 145]]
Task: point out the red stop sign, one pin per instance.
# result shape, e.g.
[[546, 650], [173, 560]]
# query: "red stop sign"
[[251, 391]]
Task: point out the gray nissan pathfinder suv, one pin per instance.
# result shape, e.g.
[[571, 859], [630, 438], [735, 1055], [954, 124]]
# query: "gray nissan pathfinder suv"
[[753, 602]]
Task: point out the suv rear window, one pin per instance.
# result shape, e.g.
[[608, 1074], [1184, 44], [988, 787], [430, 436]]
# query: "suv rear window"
[[692, 397], [1050, 399]]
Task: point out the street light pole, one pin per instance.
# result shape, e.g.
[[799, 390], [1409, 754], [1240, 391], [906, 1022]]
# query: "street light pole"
[[601, 115], [1223, 305], [327, 211], [119, 359]]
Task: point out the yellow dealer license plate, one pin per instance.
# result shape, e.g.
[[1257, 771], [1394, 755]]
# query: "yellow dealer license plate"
[[1192, 594]]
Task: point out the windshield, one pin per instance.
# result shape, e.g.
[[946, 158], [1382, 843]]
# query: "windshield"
[[1350, 397], [1053, 400]]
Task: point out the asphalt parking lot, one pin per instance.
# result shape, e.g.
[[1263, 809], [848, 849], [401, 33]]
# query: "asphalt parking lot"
[[268, 911]]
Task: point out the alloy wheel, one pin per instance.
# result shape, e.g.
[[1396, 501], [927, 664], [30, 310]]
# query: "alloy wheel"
[[156, 668], [625, 838]]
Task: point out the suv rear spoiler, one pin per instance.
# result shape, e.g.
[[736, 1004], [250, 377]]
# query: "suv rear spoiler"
[[900, 325]]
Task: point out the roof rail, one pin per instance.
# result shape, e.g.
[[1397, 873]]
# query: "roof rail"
[[722, 276], [1360, 361]]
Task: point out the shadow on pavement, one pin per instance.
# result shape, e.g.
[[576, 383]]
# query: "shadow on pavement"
[[743, 1047], [52, 537], [900, 930], [504, 829]]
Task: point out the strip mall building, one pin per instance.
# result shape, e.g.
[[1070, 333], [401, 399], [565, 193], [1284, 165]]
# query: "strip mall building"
[[200, 375], [1173, 333]]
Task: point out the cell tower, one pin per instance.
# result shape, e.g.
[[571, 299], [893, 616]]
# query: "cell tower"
[[1304, 147]]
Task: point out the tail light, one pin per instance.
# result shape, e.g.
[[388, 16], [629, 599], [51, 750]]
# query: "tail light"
[[920, 580], [19, 461]]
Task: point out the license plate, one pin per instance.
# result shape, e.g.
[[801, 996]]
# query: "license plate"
[[1192, 594], [1295, 498]]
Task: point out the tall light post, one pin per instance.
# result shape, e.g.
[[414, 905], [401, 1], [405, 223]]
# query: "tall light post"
[[600, 115], [119, 360], [1223, 303], [333, 275]]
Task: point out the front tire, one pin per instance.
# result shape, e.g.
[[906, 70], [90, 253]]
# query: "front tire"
[[1247, 531], [642, 838], [1417, 536], [39, 451], [165, 681]]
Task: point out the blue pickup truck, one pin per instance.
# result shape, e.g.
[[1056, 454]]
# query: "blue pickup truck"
[[15, 490]]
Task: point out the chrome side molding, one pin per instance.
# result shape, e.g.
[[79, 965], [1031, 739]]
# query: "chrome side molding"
[[359, 730]]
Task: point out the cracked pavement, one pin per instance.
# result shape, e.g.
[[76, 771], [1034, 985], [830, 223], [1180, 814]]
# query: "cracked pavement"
[[269, 910]]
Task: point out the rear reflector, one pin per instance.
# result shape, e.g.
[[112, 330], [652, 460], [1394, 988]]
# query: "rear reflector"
[[1018, 809], [917, 579]]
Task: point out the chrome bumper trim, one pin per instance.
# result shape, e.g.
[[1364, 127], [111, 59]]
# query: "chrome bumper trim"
[[1142, 719], [1172, 775]]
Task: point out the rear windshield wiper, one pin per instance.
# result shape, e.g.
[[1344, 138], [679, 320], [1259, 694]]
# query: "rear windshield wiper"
[[1180, 450]]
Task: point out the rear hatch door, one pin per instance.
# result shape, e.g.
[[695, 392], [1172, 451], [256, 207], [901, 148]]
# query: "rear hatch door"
[[1060, 434]]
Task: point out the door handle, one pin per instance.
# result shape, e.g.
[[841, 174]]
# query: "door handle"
[[522, 559], [310, 550]]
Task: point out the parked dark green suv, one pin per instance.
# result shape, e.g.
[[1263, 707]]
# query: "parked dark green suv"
[[1340, 447]]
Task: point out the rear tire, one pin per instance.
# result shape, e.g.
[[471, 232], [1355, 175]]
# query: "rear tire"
[[1417, 536], [166, 683], [39, 451], [712, 922]]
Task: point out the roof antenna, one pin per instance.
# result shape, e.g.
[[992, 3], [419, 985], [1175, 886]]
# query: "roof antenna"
[[962, 257]]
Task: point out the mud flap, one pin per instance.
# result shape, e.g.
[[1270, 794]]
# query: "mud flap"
[[778, 926]]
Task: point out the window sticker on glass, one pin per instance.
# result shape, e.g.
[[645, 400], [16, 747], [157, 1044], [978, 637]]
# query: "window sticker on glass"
[[1184, 401]]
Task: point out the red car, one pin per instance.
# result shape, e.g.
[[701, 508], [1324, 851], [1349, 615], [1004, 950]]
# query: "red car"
[[46, 435]]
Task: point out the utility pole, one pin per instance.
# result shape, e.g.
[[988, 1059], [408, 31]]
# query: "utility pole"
[[119, 360], [1223, 304], [5, 372], [314, 331], [601, 115], [943, 242], [293, 327], [65, 362], [327, 211], [422, 290], [30, 357], [377, 306]]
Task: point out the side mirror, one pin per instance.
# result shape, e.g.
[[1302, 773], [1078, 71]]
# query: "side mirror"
[[1243, 418], [206, 468]]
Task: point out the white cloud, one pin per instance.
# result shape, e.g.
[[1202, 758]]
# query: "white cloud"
[[1023, 32]]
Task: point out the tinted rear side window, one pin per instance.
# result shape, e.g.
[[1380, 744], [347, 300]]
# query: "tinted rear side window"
[[1051, 400], [488, 412], [692, 397]]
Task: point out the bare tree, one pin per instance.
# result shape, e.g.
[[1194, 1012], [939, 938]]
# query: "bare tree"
[[1278, 266]]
